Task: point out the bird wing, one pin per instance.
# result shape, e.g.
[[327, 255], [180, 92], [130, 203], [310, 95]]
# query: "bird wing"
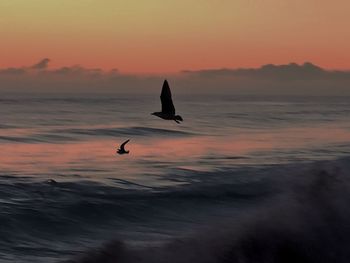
[[167, 102], [123, 144]]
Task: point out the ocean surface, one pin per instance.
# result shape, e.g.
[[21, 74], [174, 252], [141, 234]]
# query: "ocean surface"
[[242, 179]]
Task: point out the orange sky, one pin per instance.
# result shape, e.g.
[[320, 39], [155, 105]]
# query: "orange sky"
[[159, 36]]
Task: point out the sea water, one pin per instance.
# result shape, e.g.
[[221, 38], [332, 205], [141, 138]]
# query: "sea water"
[[235, 163]]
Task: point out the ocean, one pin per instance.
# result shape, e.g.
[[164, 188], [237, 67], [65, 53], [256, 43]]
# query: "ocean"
[[242, 179]]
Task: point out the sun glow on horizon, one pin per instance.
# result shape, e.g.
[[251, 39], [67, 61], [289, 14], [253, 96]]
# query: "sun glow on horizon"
[[169, 36]]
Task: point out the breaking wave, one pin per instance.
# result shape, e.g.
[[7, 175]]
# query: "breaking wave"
[[305, 220]]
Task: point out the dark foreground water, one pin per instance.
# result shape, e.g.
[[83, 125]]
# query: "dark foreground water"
[[242, 179]]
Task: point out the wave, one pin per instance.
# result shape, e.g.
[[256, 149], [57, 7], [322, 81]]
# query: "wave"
[[279, 213], [37, 138], [306, 221], [6, 126], [80, 201], [74, 134], [135, 131]]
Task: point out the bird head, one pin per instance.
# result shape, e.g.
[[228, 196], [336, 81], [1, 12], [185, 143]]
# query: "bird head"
[[178, 118]]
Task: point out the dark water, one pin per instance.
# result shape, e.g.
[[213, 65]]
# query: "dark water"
[[243, 179]]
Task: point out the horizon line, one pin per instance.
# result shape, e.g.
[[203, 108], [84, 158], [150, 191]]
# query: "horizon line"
[[43, 65]]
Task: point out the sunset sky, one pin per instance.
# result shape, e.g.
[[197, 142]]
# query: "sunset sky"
[[163, 36]]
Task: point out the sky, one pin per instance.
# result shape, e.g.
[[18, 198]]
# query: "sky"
[[166, 36]]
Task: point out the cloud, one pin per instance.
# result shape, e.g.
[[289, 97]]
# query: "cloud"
[[12, 71], [292, 70], [270, 79], [78, 70], [42, 64], [289, 79]]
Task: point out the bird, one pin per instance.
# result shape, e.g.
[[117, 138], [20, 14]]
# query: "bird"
[[121, 149], [168, 109]]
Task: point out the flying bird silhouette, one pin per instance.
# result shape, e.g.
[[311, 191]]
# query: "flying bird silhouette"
[[168, 109], [121, 149]]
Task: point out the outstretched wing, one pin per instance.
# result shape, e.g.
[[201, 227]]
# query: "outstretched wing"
[[123, 144], [167, 102]]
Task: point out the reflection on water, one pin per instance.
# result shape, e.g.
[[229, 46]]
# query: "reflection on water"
[[76, 138], [95, 158]]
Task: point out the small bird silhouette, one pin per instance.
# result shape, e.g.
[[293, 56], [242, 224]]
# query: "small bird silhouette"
[[168, 109], [121, 149]]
